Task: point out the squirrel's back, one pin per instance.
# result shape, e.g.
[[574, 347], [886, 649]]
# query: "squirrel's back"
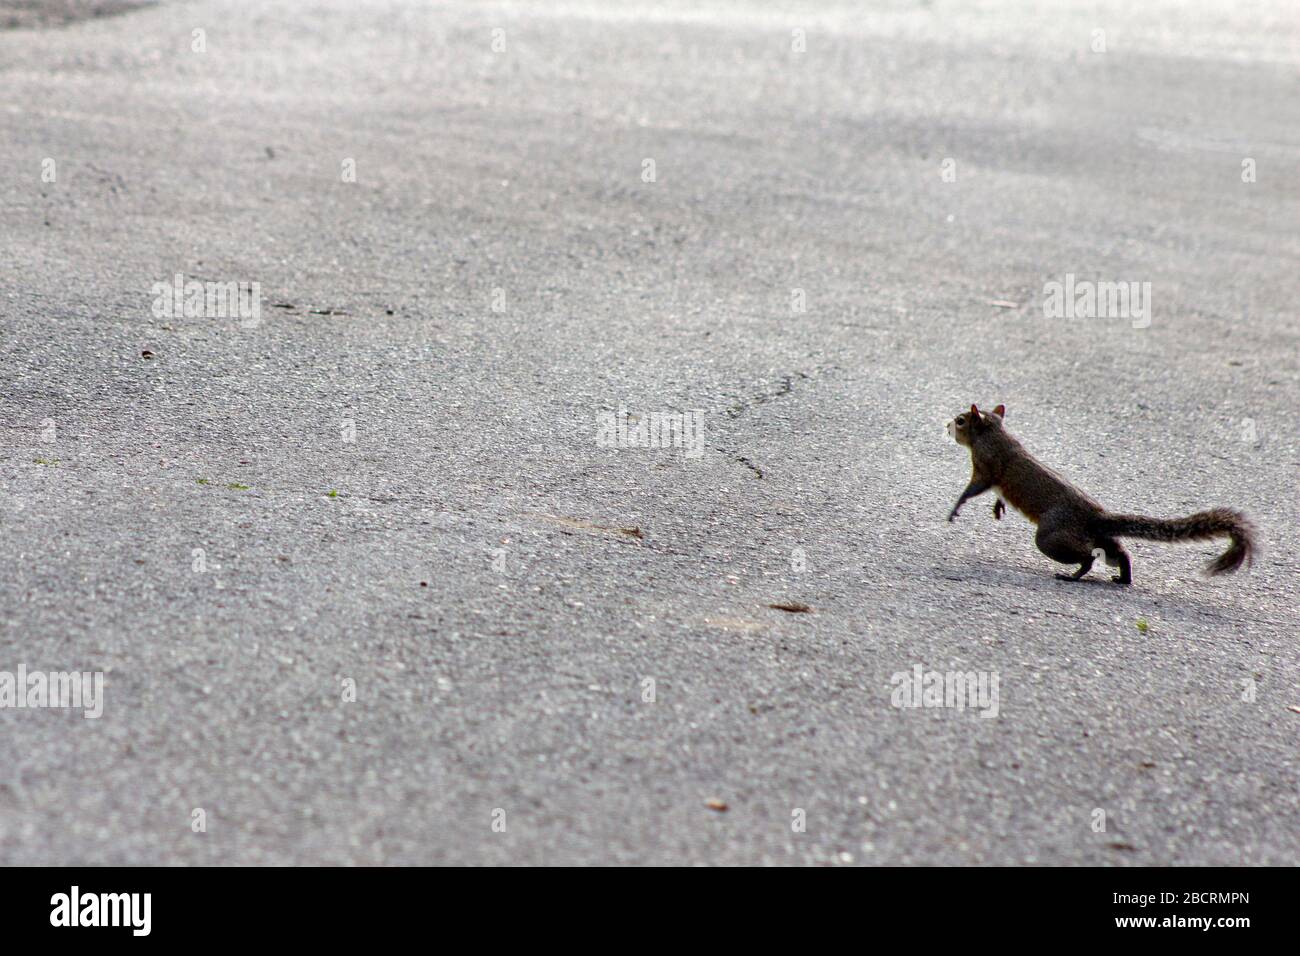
[[1023, 481]]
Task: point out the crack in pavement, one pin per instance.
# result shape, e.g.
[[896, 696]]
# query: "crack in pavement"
[[786, 387]]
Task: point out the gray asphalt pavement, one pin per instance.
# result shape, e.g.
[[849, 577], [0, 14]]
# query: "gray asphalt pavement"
[[476, 229]]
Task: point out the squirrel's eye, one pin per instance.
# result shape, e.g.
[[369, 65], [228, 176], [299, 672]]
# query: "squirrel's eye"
[[961, 420]]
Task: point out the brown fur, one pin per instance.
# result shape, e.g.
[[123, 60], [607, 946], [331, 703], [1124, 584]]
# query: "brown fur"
[[1072, 527]]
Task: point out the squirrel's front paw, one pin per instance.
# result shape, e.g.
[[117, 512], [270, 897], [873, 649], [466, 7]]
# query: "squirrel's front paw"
[[998, 509]]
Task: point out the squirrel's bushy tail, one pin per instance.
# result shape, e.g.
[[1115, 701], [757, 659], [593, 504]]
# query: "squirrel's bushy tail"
[[1217, 522]]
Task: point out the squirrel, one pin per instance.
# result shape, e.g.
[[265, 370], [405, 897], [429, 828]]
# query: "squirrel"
[[1072, 527]]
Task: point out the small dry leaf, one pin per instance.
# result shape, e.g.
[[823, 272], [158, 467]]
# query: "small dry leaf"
[[794, 607], [146, 354], [1294, 708], [713, 803], [579, 525]]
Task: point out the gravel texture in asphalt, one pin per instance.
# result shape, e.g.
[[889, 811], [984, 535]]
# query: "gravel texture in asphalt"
[[367, 584]]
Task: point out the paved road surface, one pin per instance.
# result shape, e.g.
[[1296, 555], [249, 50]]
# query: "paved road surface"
[[392, 481]]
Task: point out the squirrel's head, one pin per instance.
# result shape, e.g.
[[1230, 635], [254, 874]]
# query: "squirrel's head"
[[968, 424]]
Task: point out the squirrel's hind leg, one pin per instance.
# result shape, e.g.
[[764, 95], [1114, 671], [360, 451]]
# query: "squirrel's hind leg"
[[1060, 543], [1084, 568], [1117, 557]]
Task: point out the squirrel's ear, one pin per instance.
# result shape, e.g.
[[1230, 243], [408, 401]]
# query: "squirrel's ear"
[[1000, 411], [975, 412]]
